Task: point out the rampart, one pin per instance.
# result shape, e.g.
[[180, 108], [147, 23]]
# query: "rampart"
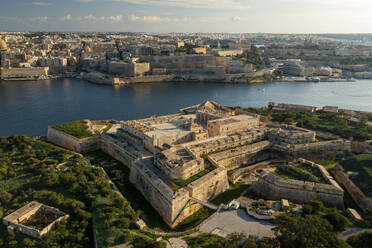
[[234, 158], [275, 188], [358, 196], [70, 142], [315, 151]]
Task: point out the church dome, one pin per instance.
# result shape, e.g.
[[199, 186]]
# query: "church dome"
[[3, 45]]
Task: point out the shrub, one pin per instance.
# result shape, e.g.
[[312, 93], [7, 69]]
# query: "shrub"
[[363, 240]]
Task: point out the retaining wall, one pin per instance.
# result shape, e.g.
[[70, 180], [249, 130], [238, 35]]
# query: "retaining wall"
[[358, 196]]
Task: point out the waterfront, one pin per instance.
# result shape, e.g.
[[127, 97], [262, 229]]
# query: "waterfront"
[[28, 107]]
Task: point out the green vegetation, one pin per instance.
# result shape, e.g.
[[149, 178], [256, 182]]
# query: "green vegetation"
[[103, 122], [363, 165], [334, 216], [32, 170], [327, 164], [77, 129], [233, 192], [335, 123], [297, 173], [119, 174], [194, 219], [363, 240], [188, 49], [309, 231], [233, 240], [183, 183], [252, 57]]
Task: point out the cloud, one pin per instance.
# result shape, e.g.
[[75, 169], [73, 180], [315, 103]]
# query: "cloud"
[[154, 19], [133, 18], [96, 19], [41, 3], [67, 17], [202, 4], [117, 18], [84, 1], [236, 18]]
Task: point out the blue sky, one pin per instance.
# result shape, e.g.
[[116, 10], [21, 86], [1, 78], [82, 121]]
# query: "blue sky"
[[234, 16]]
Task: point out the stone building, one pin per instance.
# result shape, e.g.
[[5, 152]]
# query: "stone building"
[[128, 69], [24, 73], [34, 219], [197, 147], [231, 124]]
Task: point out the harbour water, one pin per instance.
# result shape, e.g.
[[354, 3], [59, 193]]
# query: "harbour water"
[[28, 107]]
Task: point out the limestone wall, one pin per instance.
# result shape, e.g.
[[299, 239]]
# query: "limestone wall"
[[208, 186], [234, 158], [111, 148], [70, 142], [358, 196], [275, 188], [316, 151]]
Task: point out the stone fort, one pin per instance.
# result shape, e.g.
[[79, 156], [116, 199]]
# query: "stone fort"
[[201, 142]]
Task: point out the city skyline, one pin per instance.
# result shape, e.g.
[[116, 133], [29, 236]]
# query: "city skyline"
[[230, 16]]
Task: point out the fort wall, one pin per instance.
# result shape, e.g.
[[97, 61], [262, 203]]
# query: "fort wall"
[[358, 196], [70, 142], [316, 151], [275, 188], [234, 158]]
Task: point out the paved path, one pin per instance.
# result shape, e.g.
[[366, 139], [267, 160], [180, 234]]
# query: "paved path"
[[176, 243], [238, 221], [351, 232]]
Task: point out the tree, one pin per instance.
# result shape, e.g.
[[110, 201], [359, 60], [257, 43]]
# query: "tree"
[[338, 221], [278, 73], [363, 240], [306, 232]]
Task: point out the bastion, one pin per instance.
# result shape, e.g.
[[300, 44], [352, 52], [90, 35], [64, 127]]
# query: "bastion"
[[273, 187], [179, 162]]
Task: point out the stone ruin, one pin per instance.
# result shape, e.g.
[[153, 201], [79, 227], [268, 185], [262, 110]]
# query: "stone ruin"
[[34, 219]]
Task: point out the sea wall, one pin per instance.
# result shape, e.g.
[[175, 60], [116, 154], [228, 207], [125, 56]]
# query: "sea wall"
[[275, 188]]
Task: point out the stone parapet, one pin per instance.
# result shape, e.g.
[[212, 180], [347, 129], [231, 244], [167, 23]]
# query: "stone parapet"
[[275, 188]]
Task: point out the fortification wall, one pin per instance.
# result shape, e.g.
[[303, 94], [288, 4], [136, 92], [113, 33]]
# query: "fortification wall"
[[153, 189], [208, 186], [70, 142], [316, 151], [358, 196], [275, 188], [111, 148], [63, 139], [234, 158]]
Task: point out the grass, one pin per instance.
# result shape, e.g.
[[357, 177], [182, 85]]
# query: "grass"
[[103, 122], [363, 165], [233, 192], [77, 129], [327, 164], [183, 183], [204, 240], [298, 173]]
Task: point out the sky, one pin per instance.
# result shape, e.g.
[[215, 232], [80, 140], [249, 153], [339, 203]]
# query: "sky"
[[230, 16]]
